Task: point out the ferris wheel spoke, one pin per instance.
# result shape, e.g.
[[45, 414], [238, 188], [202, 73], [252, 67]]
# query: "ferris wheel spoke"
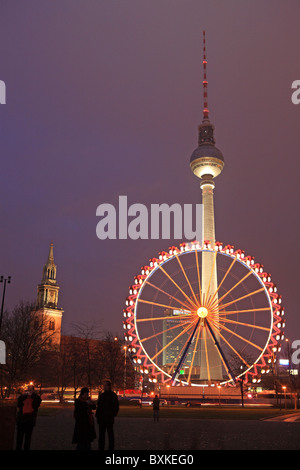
[[199, 278], [164, 331], [157, 304], [194, 353], [206, 355], [222, 306], [187, 279], [174, 339], [223, 327], [226, 320], [170, 317], [174, 363], [225, 340], [220, 351], [223, 279], [234, 287], [168, 295], [214, 308], [250, 310], [179, 288], [185, 352], [211, 304]]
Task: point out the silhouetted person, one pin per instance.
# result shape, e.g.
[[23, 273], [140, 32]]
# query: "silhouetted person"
[[107, 409], [28, 404], [84, 430], [155, 405]]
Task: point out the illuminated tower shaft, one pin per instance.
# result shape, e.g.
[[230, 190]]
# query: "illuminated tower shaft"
[[209, 274], [209, 369], [206, 163]]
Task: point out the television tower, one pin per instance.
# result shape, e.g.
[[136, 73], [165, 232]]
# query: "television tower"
[[206, 163]]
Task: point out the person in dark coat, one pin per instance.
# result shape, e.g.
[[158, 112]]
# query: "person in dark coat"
[[155, 405], [84, 430], [28, 405], [107, 409]]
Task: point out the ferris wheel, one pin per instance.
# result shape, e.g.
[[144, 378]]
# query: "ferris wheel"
[[180, 331]]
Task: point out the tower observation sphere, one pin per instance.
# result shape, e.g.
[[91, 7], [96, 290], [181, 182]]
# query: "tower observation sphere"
[[207, 160]]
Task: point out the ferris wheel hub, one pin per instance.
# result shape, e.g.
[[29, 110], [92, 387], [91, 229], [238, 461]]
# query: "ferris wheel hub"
[[202, 312]]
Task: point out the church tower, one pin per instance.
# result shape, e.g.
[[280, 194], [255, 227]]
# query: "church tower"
[[47, 299]]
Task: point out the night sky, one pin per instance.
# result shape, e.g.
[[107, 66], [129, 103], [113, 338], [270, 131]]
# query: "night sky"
[[104, 99]]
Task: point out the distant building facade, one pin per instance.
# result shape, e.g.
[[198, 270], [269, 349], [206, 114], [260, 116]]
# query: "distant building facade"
[[172, 352]]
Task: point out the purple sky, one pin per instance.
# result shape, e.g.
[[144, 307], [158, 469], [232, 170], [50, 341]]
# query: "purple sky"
[[104, 99]]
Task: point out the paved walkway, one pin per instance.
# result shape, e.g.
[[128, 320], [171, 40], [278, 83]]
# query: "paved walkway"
[[291, 418], [55, 433]]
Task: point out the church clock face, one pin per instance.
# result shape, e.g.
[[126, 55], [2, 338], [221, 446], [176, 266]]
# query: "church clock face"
[[52, 296]]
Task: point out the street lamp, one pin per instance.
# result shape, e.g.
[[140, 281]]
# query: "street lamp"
[[8, 280], [125, 354], [284, 389], [219, 387], [144, 371], [242, 384]]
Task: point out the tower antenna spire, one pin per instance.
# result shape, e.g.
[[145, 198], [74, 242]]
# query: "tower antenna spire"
[[205, 82]]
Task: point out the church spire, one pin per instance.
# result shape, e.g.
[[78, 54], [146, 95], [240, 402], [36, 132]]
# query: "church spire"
[[49, 271], [50, 256]]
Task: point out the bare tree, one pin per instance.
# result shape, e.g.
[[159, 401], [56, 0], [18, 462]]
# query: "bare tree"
[[26, 334], [89, 333], [115, 362], [239, 364], [64, 373], [74, 348]]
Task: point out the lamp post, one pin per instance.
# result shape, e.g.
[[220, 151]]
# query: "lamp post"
[[125, 354], [219, 388], [8, 280], [242, 385], [275, 378], [144, 371], [284, 389]]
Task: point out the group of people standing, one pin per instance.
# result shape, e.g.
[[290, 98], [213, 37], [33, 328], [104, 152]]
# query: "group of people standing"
[[107, 408]]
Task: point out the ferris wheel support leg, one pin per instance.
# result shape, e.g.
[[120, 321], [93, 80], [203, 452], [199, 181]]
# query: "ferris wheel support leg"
[[176, 373], [221, 352]]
